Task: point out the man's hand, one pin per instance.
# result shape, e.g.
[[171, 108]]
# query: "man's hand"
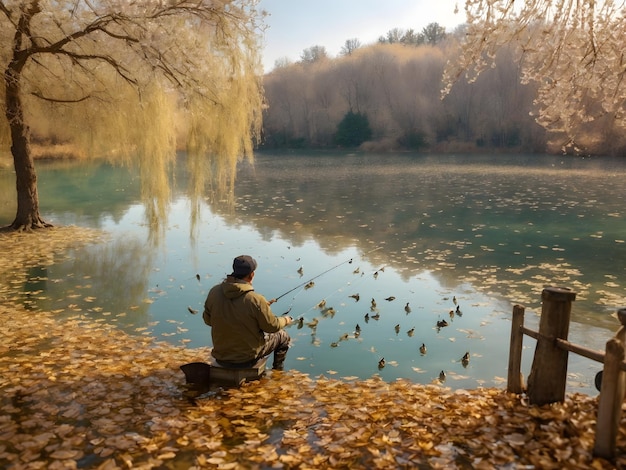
[[289, 320], [271, 301]]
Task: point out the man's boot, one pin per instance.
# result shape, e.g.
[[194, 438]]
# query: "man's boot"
[[279, 359]]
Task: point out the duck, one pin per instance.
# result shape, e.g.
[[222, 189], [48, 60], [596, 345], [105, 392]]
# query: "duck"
[[390, 298], [442, 376], [451, 313], [356, 271], [301, 271], [381, 363], [375, 317], [321, 304], [367, 317], [397, 328], [357, 328], [458, 310], [411, 331], [334, 344], [454, 299], [300, 322], [329, 311], [373, 303], [356, 297], [407, 309], [465, 359], [423, 349], [344, 337], [309, 285], [441, 323]]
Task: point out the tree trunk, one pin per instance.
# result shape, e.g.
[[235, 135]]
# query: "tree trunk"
[[27, 217]]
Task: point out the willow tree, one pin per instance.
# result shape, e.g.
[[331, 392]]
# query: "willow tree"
[[116, 79], [572, 49]]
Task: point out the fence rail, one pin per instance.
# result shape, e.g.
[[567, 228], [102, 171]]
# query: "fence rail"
[[548, 375]]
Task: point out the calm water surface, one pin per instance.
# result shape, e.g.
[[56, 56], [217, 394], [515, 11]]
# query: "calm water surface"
[[424, 232]]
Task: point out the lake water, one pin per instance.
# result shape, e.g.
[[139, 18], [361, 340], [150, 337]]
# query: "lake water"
[[429, 233]]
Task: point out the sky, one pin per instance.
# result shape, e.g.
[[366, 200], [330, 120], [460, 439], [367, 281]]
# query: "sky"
[[295, 25]]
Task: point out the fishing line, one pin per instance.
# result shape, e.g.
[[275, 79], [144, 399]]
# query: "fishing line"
[[319, 305], [276, 299], [293, 299], [322, 304], [349, 261], [302, 288]]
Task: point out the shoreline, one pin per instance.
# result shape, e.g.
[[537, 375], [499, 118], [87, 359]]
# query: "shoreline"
[[79, 393]]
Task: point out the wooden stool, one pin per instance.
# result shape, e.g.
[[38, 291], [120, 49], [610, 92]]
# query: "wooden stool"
[[235, 376]]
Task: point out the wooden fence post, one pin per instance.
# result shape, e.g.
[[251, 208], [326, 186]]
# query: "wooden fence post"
[[515, 381], [548, 374], [611, 393]]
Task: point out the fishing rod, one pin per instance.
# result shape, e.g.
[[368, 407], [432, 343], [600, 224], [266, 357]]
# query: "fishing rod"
[[349, 261], [276, 299]]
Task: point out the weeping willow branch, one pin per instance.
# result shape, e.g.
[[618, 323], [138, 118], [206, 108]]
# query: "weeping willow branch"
[[149, 78]]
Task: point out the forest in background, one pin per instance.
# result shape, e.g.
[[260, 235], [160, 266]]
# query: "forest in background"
[[387, 97]]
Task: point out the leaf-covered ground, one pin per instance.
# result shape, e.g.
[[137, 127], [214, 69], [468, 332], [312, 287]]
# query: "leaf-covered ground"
[[78, 393]]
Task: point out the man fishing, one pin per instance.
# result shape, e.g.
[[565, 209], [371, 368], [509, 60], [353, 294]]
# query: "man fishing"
[[243, 327]]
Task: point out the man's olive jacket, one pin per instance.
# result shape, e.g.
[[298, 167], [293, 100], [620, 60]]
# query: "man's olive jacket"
[[238, 317]]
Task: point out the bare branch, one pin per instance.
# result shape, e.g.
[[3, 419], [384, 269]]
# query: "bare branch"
[[57, 100], [7, 13], [117, 66]]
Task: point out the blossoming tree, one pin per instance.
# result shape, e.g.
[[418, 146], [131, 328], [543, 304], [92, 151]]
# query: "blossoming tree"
[[572, 49]]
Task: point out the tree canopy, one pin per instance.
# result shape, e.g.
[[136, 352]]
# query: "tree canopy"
[[432, 34], [133, 82], [573, 50], [313, 54], [398, 89], [350, 46]]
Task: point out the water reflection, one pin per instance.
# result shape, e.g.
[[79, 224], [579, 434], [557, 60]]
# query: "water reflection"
[[433, 234], [109, 281], [507, 229], [81, 193]]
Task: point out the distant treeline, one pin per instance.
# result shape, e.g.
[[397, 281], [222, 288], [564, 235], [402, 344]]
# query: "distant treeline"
[[387, 96]]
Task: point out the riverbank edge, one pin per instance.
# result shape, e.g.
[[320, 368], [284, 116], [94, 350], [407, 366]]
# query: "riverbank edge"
[[76, 377]]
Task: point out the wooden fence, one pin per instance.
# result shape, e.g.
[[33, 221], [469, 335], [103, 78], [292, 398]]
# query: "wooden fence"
[[548, 375]]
